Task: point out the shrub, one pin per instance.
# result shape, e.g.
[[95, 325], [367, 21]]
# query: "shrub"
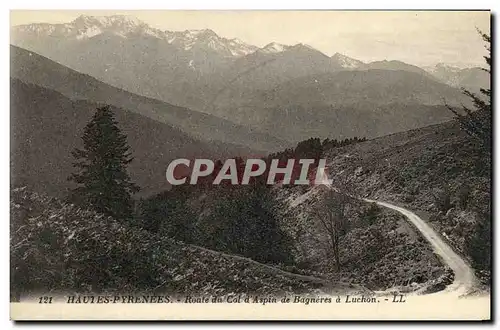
[[464, 195], [246, 222], [169, 214], [370, 214], [442, 199], [478, 245]]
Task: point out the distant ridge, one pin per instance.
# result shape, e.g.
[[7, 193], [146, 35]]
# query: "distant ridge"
[[33, 68]]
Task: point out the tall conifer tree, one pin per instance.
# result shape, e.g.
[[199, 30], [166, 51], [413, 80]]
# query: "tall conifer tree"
[[103, 182]]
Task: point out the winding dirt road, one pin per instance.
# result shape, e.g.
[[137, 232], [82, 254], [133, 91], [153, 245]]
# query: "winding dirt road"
[[464, 275], [465, 279]]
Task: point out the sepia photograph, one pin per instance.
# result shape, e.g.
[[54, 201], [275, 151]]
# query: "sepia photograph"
[[250, 165]]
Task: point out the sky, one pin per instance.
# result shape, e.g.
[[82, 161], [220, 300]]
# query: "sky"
[[422, 38]]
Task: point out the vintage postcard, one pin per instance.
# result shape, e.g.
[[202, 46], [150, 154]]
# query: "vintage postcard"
[[250, 165]]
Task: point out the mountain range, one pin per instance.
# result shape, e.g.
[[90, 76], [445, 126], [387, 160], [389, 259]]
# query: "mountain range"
[[187, 68], [32, 68], [472, 78], [190, 93], [51, 104]]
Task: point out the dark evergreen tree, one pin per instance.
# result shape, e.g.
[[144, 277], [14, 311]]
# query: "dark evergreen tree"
[[103, 182], [477, 123]]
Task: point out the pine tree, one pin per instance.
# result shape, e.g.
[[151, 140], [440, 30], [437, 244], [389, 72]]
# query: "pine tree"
[[478, 124], [103, 182]]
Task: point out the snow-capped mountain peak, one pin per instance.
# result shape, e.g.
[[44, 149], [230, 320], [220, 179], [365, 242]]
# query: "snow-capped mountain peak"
[[273, 47], [85, 27], [443, 67], [121, 25], [301, 45], [346, 61], [209, 40], [123, 21], [205, 33]]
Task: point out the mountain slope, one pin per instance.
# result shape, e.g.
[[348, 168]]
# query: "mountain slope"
[[141, 64], [363, 103], [265, 68], [364, 86], [339, 122], [129, 54], [470, 78], [140, 261], [418, 169], [396, 66], [33, 68], [46, 126]]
